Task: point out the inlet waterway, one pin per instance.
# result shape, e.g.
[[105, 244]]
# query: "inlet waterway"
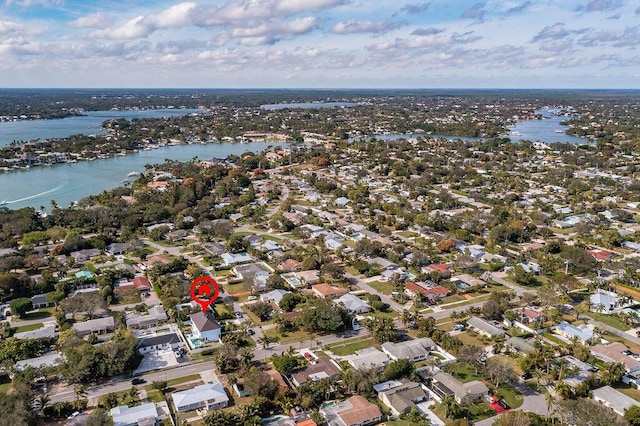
[[88, 124], [66, 183]]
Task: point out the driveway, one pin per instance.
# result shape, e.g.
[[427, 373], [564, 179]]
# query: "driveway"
[[156, 361], [532, 402]]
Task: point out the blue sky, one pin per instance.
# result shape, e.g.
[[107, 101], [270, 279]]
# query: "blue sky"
[[320, 43]]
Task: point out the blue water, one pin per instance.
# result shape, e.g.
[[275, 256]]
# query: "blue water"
[[531, 130], [66, 183], [90, 123]]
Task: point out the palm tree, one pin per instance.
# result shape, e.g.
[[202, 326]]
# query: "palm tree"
[[613, 372], [80, 392], [451, 408], [406, 317], [265, 341], [549, 400], [133, 394], [563, 390], [42, 402], [246, 358]]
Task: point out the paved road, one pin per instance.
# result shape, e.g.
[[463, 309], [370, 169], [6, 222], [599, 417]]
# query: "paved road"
[[366, 287], [120, 383], [499, 277]]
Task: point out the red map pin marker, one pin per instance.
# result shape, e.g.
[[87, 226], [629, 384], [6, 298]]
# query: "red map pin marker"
[[204, 291]]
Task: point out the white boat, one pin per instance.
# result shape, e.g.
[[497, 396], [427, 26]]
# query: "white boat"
[[559, 131], [3, 203], [134, 173], [516, 133]]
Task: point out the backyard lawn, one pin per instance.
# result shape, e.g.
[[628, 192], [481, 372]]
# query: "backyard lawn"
[[29, 327], [382, 287], [290, 336]]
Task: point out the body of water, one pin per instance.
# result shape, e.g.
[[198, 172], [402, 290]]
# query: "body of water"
[[89, 124], [66, 183], [547, 130], [308, 105]]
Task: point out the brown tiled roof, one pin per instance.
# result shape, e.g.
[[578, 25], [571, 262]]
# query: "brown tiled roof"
[[141, 283], [362, 411], [321, 365]]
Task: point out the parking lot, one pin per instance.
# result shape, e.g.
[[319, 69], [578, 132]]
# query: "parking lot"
[[156, 361]]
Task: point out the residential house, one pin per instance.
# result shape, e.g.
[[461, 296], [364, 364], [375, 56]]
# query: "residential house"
[[413, 350], [401, 396], [151, 414], [45, 331], [327, 291], [40, 301], [84, 255], [274, 296], [429, 290], [484, 327], [583, 332], [95, 326], [115, 249], [440, 268], [601, 255], [141, 284], [160, 343], [614, 399], [606, 302], [355, 411], [323, 367], [368, 358], [444, 384], [289, 265], [256, 273], [309, 277], [581, 370], [519, 345], [384, 264], [214, 249], [50, 359], [205, 327], [466, 282], [616, 352], [231, 259], [154, 316], [211, 396], [353, 304]]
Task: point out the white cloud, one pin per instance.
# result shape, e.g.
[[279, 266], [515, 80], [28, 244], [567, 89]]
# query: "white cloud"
[[353, 27], [94, 20], [301, 6], [24, 4]]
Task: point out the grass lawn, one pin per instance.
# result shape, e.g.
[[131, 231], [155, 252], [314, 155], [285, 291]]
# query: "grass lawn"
[[291, 236], [253, 317], [481, 411], [155, 396], [175, 382], [4, 388], [390, 313], [272, 238], [510, 396], [407, 234], [613, 338], [236, 288], [30, 327], [465, 302], [242, 234], [468, 339], [463, 372], [223, 311], [452, 299], [222, 273], [289, 336], [553, 338], [39, 314], [611, 320], [349, 348], [382, 287], [629, 391], [128, 296]]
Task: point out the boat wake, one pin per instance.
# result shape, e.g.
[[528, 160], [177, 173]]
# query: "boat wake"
[[31, 197]]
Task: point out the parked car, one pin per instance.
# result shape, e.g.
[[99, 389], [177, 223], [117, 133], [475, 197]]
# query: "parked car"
[[251, 332], [503, 404], [252, 298], [238, 314], [138, 381]]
